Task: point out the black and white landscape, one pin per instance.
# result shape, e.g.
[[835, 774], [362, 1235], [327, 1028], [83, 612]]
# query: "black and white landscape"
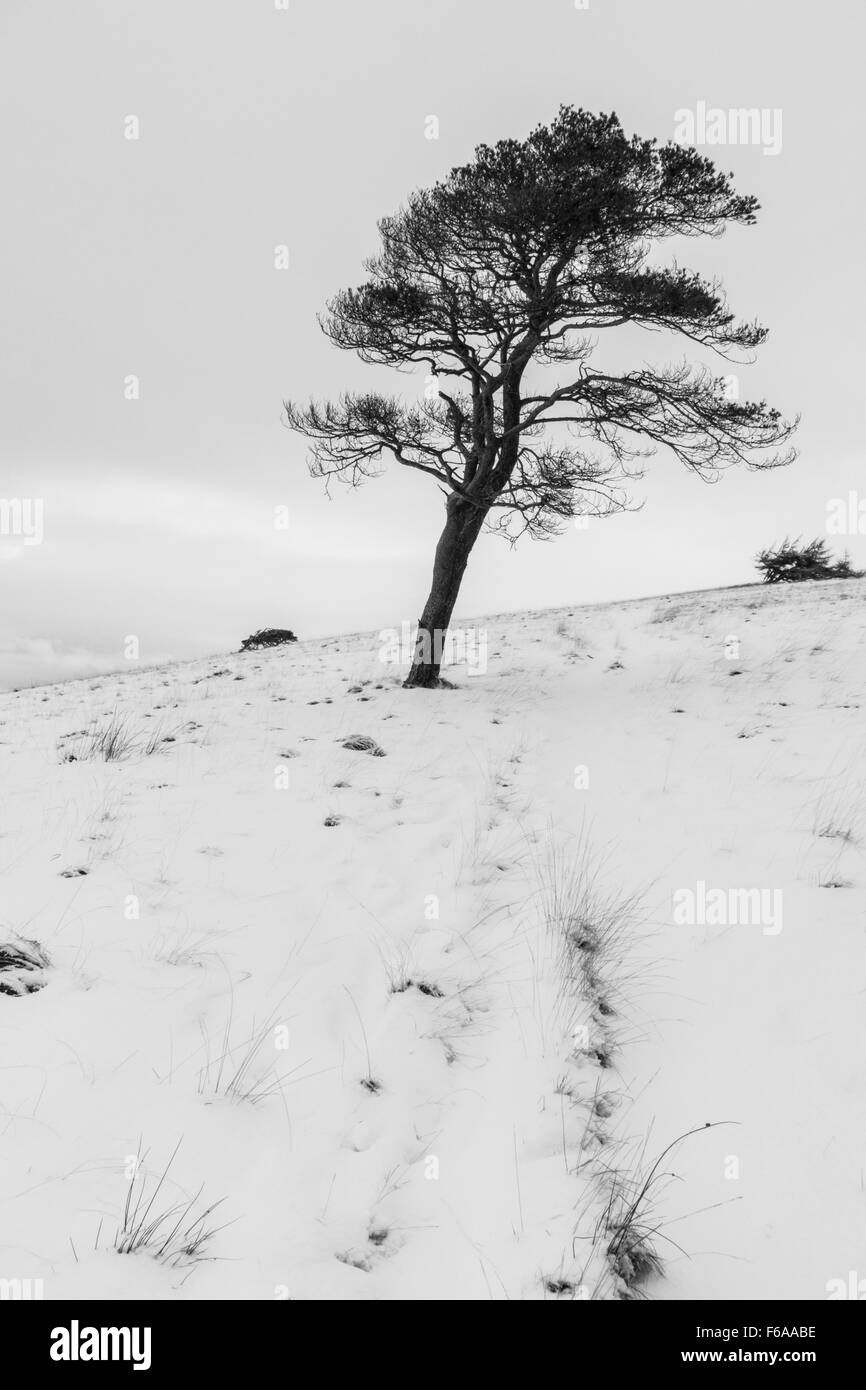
[[393, 906]]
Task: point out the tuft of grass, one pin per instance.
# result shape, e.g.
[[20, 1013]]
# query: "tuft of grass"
[[114, 741], [110, 742], [404, 973], [593, 931], [422, 986], [172, 1233], [834, 829], [362, 743], [627, 1225], [667, 612], [237, 1072], [188, 947], [355, 1260], [368, 1080], [633, 1259], [838, 819], [22, 962], [561, 1288]]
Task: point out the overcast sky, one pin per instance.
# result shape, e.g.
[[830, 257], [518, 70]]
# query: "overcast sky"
[[261, 126]]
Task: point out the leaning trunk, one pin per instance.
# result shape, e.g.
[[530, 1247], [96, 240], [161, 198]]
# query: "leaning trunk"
[[462, 527]]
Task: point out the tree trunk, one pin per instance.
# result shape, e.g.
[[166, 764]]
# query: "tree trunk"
[[462, 526]]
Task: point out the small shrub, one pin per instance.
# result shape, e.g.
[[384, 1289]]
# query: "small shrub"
[[268, 637], [793, 562]]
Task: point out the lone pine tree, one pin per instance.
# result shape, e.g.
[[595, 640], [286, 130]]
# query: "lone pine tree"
[[515, 262]]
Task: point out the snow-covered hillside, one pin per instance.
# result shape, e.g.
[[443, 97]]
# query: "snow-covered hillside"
[[422, 1023]]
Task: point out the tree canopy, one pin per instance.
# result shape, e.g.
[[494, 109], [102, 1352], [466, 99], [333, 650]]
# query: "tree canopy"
[[524, 255]]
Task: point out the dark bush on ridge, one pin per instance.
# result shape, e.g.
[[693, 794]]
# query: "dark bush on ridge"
[[793, 562], [267, 637]]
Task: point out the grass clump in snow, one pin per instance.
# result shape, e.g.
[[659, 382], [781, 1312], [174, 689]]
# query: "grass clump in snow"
[[170, 1233], [362, 743], [237, 1072], [564, 1288], [114, 741], [21, 965], [627, 1225], [370, 1082], [838, 817], [594, 931], [668, 612]]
